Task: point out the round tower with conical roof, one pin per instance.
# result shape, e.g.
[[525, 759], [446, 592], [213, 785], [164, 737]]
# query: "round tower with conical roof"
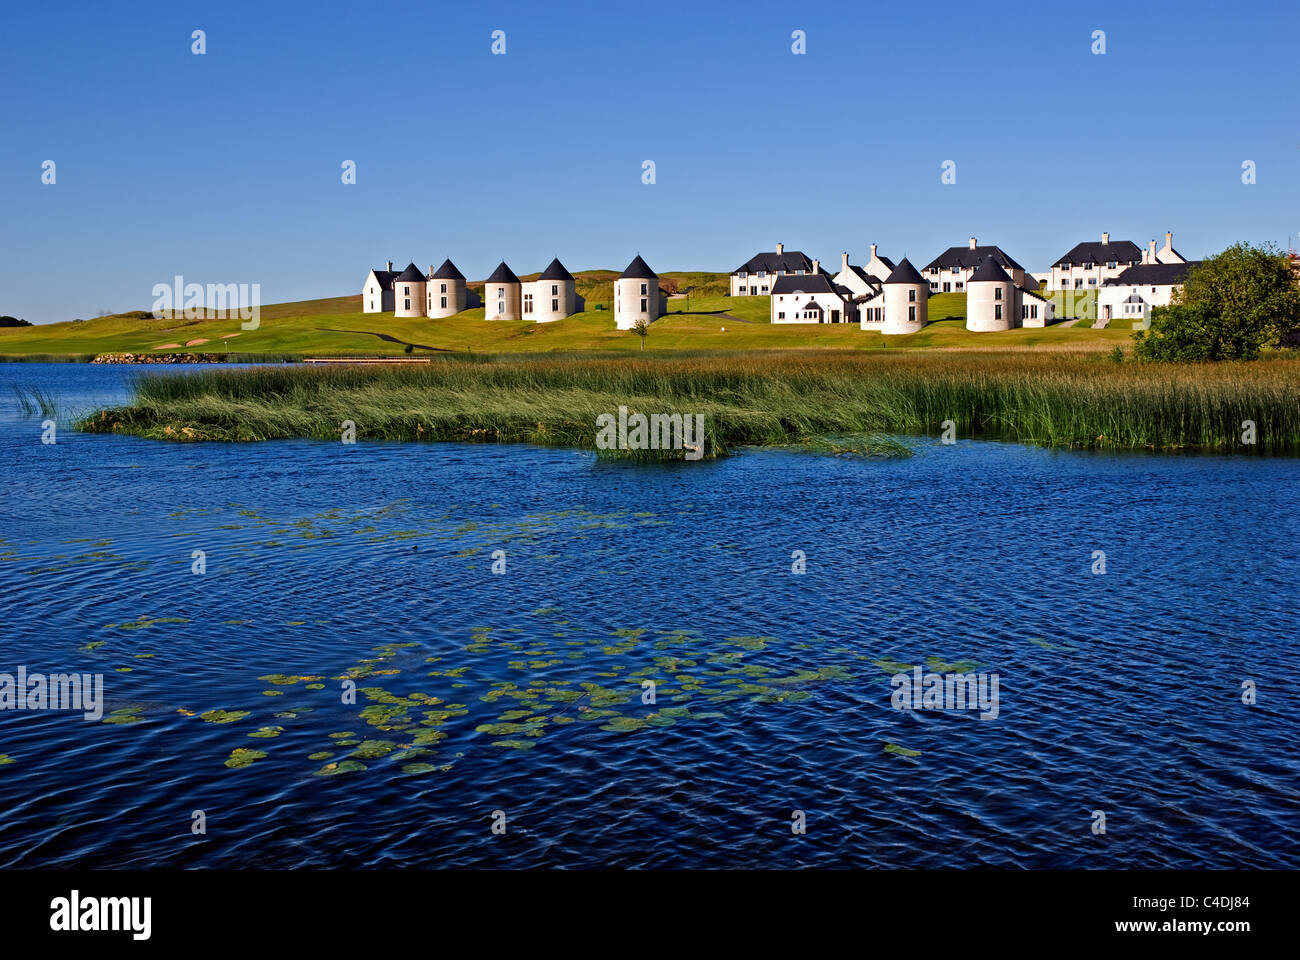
[[906, 295], [446, 291], [502, 295], [636, 295], [990, 298], [408, 292], [552, 296]]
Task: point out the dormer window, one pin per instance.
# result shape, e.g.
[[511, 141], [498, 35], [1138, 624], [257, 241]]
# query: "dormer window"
[[1112, 264], [955, 269]]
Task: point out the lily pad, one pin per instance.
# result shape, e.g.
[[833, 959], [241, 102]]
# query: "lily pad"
[[901, 751], [346, 766], [223, 716], [241, 757]]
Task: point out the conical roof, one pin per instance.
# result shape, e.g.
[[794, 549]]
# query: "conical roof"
[[638, 269], [905, 273], [556, 271], [447, 271], [412, 274], [989, 270], [502, 274]]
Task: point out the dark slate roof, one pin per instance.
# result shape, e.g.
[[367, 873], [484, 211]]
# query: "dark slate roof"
[[843, 291], [808, 283], [905, 273], [773, 262], [385, 278], [1133, 298], [990, 270], [502, 274], [556, 271], [886, 261], [1152, 274], [1098, 252], [447, 271], [412, 274], [638, 269], [966, 257], [1030, 293]]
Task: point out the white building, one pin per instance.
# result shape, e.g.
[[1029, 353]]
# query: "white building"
[[864, 281], [637, 297], [408, 292], [755, 277], [1132, 294], [1089, 265], [502, 295], [901, 307], [995, 302], [811, 298], [552, 296], [446, 293], [377, 291], [951, 270]]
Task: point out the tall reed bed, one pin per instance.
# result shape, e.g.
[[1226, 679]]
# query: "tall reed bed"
[[1067, 400]]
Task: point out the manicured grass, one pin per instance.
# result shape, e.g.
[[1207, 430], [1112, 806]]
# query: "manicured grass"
[[780, 397]]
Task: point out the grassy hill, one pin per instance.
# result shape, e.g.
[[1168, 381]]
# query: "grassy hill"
[[337, 327]]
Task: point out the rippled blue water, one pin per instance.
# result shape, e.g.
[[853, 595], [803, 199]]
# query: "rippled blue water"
[[1118, 692]]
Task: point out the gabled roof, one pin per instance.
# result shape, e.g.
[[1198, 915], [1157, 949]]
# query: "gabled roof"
[[385, 278], [502, 274], [773, 262], [447, 271], [811, 305], [556, 271], [886, 261], [1029, 293], [1098, 252], [1152, 274], [808, 283], [1133, 298], [412, 274], [968, 257], [638, 269], [989, 271], [905, 273]]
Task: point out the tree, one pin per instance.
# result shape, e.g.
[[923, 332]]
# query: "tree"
[[13, 322], [642, 330], [1229, 308]]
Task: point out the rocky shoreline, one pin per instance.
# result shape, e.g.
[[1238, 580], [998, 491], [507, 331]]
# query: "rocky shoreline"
[[160, 358]]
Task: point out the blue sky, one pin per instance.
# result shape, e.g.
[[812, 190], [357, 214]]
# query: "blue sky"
[[225, 168]]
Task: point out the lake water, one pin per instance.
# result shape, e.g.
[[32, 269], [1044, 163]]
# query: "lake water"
[[1119, 692]]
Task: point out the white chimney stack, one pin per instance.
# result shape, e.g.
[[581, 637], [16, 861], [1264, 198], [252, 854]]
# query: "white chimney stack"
[[780, 248], [1105, 238], [873, 251], [972, 243], [844, 260], [1169, 239], [816, 267], [1151, 253]]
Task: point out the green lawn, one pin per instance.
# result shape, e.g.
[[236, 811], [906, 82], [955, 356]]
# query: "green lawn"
[[336, 326]]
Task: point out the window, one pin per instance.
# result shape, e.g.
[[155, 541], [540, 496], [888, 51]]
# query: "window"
[[501, 306], [643, 307], [997, 294], [444, 303], [933, 271], [528, 303], [954, 269], [555, 306], [643, 289], [760, 275], [934, 286], [1087, 266], [408, 304], [1033, 311], [911, 314], [781, 315], [1111, 264], [742, 274], [444, 289], [555, 289], [997, 311], [1092, 281], [799, 273], [960, 285], [406, 291], [911, 296], [501, 293], [1078, 284], [765, 289]]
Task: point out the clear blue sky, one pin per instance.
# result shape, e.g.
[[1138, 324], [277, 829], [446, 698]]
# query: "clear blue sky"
[[225, 167]]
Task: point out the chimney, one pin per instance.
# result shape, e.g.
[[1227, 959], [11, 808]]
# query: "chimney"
[[1169, 239], [1105, 238], [780, 249], [844, 261], [816, 267], [873, 251], [431, 268], [390, 266], [972, 243]]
